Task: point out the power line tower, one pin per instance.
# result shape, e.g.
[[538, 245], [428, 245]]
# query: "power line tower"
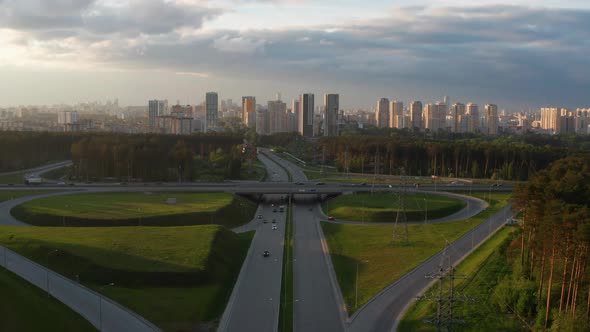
[[445, 298], [400, 216]]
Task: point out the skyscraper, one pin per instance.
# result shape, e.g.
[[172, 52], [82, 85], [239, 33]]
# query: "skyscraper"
[[457, 111], [156, 108], [277, 113], [306, 106], [331, 108], [416, 114], [491, 119], [211, 109], [295, 110], [434, 116], [382, 115], [396, 114], [473, 125], [249, 111]]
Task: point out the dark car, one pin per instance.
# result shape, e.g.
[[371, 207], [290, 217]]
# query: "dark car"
[[274, 210], [320, 184], [330, 218], [274, 221], [299, 183], [266, 253]]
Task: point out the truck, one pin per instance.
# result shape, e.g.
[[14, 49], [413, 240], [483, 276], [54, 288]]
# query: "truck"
[[33, 180]]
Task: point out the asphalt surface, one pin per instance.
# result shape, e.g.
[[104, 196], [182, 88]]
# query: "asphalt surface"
[[36, 171], [255, 301], [315, 290], [383, 312], [254, 304]]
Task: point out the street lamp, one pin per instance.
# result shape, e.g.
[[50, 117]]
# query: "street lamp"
[[48, 269], [425, 211], [356, 287]]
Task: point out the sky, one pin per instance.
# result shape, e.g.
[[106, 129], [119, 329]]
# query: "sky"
[[517, 54]]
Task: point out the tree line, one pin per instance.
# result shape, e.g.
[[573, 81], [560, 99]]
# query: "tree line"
[[21, 150], [155, 157], [554, 246]]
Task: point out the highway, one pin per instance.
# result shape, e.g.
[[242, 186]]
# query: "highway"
[[36, 171], [315, 289], [255, 301]]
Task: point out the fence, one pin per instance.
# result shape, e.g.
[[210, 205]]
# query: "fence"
[[103, 313]]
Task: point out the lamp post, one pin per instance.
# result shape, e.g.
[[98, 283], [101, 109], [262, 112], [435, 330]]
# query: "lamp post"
[[425, 211], [48, 269], [356, 287]]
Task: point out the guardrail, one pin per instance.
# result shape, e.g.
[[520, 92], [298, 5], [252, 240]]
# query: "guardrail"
[[100, 311]]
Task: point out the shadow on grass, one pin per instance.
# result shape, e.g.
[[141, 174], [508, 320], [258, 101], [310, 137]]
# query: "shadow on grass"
[[238, 212]]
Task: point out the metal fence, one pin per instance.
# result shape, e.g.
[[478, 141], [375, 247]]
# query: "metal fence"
[[100, 311]]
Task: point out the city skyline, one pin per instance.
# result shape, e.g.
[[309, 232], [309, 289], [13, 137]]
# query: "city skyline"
[[521, 56]]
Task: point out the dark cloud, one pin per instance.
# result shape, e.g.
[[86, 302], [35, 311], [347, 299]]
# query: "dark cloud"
[[498, 53], [75, 17]]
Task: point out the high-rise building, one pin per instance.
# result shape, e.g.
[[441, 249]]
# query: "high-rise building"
[[550, 119], [416, 114], [396, 114], [306, 107], [434, 117], [211, 109], [156, 108], [457, 111], [331, 109], [67, 117], [249, 111], [295, 109], [382, 114], [473, 126], [262, 121], [277, 113], [491, 117]]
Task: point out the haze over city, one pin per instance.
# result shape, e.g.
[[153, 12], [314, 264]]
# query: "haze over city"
[[523, 55]]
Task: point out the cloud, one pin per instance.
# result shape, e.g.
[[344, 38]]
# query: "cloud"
[[500, 52], [60, 18]]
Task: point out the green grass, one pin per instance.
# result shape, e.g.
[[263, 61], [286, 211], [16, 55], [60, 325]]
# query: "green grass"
[[483, 268], [176, 277], [13, 178], [381, 260], [26, 308], [132, 209], [8, 195], [286, 313], [382, 207]]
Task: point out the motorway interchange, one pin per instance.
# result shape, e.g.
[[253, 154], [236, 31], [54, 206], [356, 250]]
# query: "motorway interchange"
[[318, 305]]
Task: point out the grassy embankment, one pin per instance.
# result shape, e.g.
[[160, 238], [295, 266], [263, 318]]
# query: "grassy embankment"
[[8, 195], [177, 277], [483, 269], [136, 209], [381, 260], [26, 308], [383, 207]]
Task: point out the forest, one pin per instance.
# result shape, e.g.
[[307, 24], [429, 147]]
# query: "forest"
[[506, 157], [551, 280], [146, 157]]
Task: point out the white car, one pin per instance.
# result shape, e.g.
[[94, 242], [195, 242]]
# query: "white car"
[[274, 227], [259, 216]]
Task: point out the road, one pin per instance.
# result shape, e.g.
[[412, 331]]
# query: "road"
[[255, 301], [383, 312], [315, 289], [36, 171], [254, 305]]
